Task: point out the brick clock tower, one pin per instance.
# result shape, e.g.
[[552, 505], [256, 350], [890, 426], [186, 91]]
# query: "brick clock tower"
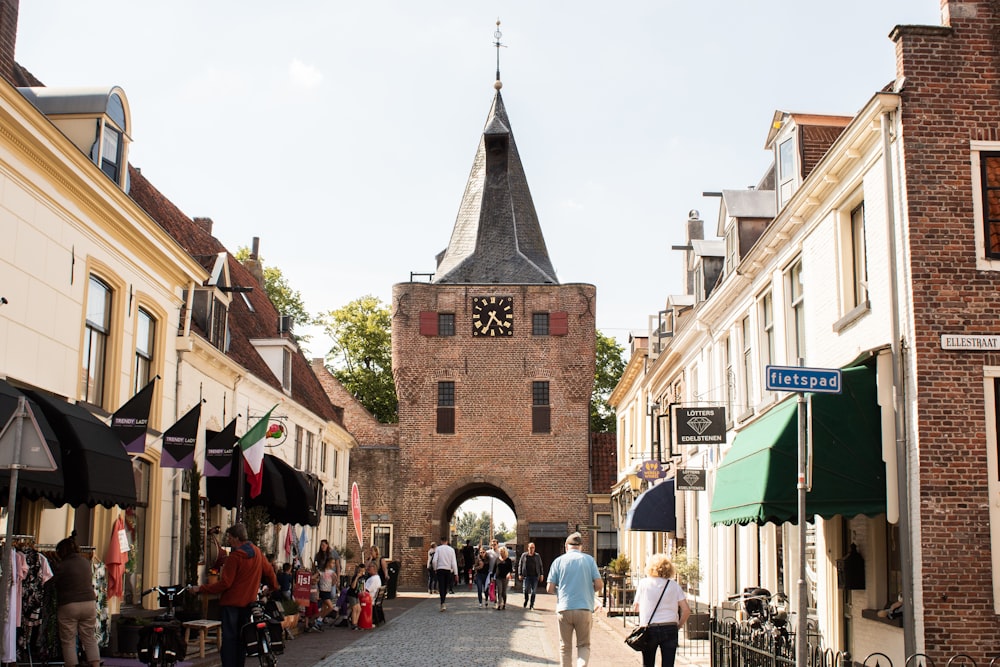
[[493, 361]]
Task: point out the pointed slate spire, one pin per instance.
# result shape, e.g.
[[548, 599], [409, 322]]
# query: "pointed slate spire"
[[497, 238]]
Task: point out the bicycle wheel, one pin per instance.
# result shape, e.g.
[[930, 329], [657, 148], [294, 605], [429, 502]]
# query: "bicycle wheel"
[[265, 657]]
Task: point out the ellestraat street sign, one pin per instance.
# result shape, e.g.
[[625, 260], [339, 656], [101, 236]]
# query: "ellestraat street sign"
[[699, 426]]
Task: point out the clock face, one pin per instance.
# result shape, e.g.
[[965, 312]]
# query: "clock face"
[[492, 316]]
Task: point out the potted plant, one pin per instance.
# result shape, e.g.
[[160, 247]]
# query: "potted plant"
[[617, 571], [688, 572], [128, 634], [291, 621]]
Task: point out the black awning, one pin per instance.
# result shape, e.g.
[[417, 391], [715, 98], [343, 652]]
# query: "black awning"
[[32, 484], [654, 509], [96, 468], [285, 492]]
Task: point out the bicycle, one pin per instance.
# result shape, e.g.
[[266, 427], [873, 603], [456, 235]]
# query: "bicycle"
[[263, 635], [161, 644], [766, 614]]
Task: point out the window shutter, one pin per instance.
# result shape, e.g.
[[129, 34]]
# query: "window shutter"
[[540, 419], [559, 323], [446, 420], [428, 323]]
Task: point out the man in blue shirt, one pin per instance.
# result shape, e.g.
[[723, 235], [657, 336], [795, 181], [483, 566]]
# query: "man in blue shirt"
[[575, 579]]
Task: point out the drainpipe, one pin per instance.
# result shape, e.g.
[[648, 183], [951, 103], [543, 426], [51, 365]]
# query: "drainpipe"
[[899, 390]]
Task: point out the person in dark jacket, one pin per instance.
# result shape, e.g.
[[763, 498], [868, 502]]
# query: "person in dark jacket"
[[77, 606], [240, 579]]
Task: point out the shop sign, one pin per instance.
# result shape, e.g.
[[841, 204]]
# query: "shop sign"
[[334, 509], [651, 471], [699, 426], [690, 479]]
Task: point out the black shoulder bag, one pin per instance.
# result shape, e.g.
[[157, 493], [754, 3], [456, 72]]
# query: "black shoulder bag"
[[639, 640]]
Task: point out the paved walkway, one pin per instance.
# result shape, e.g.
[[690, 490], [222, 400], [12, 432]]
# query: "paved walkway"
[[418, 635]]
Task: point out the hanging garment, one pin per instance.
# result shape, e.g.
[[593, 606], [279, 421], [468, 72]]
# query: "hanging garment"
[[115, 559]]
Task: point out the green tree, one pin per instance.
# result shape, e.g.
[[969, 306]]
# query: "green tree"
[[361, 356], [473, 527], [504, 534], [286, 300], [610, 366]]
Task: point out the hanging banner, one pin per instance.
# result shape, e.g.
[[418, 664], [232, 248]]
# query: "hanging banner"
[[356, 512], [219, 452], [303, 586], [179, 441], [130, 421]]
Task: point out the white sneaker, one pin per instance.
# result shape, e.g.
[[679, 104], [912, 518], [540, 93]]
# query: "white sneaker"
[[443, 607], [480, 605]]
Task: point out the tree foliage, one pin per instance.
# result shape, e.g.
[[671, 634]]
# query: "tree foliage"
[[286, 300], [473, 527], [361, 356], [610, 366]]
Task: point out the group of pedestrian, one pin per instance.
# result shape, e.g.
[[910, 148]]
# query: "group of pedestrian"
[[573, 577]]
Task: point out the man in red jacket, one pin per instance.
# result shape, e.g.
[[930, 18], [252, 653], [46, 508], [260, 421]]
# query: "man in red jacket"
[[242, 574]]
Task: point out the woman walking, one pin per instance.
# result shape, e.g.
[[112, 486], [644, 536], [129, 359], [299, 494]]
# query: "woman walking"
[[663, 608], [482, 572], [501, 574]]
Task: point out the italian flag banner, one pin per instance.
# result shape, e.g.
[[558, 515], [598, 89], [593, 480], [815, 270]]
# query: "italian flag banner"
[[252, 444]]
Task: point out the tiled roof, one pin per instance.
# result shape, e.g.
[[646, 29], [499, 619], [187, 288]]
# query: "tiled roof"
[[244, 324], [496, 238]]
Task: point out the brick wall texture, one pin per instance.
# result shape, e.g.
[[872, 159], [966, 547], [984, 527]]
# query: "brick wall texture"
[[950, 95], [493, 451]]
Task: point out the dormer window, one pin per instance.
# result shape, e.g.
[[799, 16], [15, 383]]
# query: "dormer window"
[[96, 120]]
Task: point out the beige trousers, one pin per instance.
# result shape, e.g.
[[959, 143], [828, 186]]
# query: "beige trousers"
[[78, 618], [579, 621]]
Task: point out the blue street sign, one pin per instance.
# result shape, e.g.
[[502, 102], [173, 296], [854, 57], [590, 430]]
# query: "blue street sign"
[[796, 378]]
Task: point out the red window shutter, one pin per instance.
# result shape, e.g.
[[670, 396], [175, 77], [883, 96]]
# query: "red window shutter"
[[428, 323], [446, 420], [541, 419], [559, 323]]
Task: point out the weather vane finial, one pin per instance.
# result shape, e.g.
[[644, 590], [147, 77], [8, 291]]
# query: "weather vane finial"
[[496, 42]]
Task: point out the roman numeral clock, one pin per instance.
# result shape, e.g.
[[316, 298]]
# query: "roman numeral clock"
[[492, 316]]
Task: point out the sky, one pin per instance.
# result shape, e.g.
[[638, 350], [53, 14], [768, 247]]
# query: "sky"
[[342, 133]]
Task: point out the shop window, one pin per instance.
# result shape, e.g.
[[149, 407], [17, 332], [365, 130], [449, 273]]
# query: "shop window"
[[382, 538], [607, 539], [135, 529]]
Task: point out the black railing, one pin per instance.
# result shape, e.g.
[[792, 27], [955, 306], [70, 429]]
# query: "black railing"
[[738, 644]]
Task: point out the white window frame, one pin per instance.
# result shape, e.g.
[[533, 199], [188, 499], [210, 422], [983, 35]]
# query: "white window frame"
[[768, 348], [383, 529], [145, 350], [991, 376], [96, 371], [983, 263], [795, 313], [787, 173], [746, 339]]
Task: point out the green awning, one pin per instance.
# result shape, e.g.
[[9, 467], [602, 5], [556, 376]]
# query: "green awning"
[[756, 482]]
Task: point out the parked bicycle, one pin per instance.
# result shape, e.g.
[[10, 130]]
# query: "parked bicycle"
[[263, 635], [161, 644], [765, 614]]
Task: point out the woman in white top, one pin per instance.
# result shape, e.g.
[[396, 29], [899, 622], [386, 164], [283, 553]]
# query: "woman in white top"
[[663, 615]]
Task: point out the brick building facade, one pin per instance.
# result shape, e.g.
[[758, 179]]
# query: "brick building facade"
[[949, 78]]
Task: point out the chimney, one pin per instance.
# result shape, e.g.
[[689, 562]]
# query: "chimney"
[[253, 264], [695, 231], [204, 223], [8, 37]]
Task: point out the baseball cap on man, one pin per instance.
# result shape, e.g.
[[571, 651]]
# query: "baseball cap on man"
[[575, 539]]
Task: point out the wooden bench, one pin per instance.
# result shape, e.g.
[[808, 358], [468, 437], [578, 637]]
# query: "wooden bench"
[[203, 627]]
